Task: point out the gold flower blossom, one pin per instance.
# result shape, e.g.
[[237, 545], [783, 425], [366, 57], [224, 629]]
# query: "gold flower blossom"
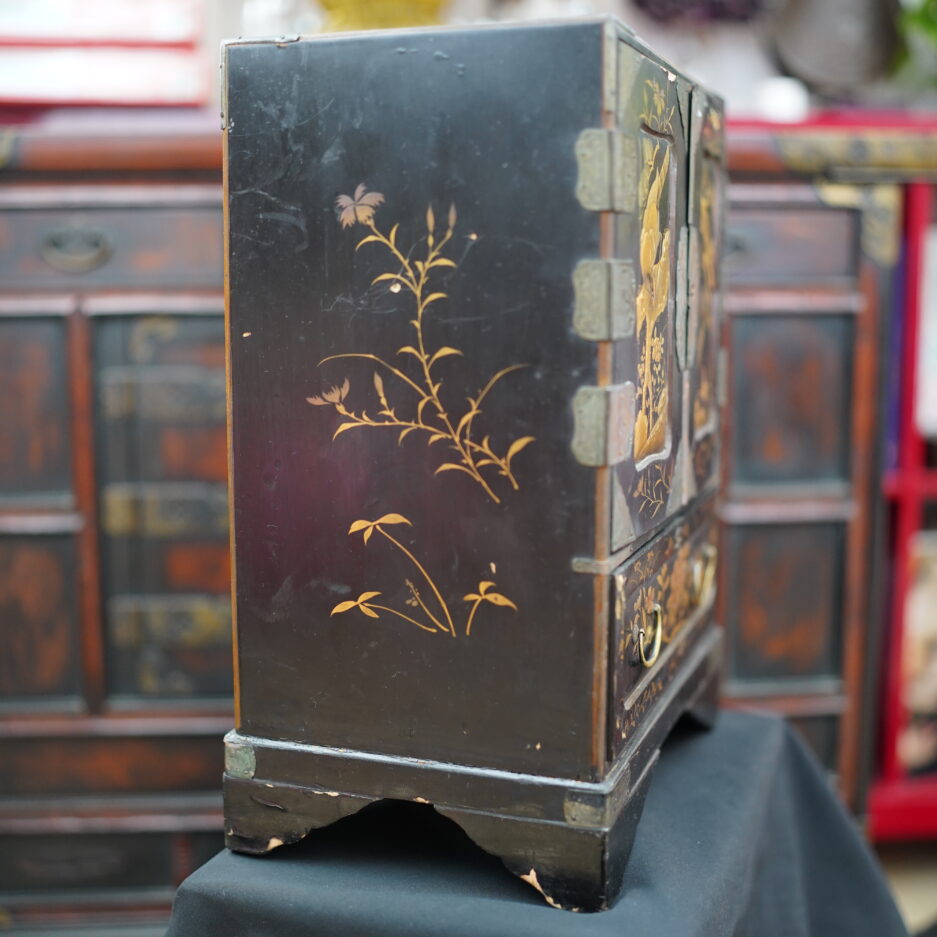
[[359, 207], [330, 397]]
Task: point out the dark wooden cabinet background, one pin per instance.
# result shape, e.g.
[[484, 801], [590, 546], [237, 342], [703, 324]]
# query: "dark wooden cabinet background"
[[115, 669], [812, 246], [114, 613]]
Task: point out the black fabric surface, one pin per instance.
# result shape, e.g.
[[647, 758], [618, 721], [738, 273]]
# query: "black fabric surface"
[[740, 836]]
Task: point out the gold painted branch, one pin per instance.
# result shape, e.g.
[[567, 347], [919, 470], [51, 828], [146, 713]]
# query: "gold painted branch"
[[439, 621], [428, 414]]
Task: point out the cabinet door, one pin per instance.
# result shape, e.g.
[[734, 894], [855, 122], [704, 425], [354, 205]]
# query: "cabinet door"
[[704, 307], [162, 469], [648, 488], [39, 622]]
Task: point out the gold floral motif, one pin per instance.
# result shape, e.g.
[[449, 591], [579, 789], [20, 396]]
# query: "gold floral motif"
[[652, 489], [427, 413], [430, 614], [651, 424], [672, 587]]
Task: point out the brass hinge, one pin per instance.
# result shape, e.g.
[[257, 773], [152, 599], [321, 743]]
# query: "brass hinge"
[[608, 170], [604, 300], [603, 423]]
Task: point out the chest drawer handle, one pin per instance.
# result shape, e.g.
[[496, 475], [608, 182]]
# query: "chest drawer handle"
[[650, 639], [75, 249]]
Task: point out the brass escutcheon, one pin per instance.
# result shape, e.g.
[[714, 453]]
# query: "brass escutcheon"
[[653, 639]]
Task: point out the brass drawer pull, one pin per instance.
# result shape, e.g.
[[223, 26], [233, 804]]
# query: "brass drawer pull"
[[75, 249], [652, 639], [704, 574]]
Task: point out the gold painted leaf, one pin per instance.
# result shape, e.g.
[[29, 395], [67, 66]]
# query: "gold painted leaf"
[[369, 612], [433, 297], [367, 533], [471, 597], [452, 216], [358, 525], [516, 447], [365, 240], [466, 420], [343, 607], [443, 262], [392, 237], [393, 519], [317, 401], [420, 406], [408, 350], [482, 462], [403, 433], [452, 467], [483, 587], [343, 427], [367, 595], [419, 265], [436, 437], [430, 219], [443, 352], [379, 384], [497, 599]]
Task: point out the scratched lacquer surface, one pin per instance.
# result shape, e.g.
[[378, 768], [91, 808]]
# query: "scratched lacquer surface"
[[406, 504]]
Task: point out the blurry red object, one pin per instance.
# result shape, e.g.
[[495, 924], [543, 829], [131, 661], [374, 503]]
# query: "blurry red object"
[[103, 52]]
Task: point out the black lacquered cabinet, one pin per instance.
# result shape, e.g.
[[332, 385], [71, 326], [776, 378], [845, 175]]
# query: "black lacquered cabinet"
[[473, 333]]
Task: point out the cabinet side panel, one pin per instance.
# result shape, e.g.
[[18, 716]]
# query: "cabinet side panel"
[[403, 232]]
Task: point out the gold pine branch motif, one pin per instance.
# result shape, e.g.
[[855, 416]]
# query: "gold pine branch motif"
[[430, 613], [426, 413]]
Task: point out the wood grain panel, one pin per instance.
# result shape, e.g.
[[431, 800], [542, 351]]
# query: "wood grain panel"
[[35, 458], [38, 623], [784, 600], [792, 387], [163, 469], [84, 248], [30, 864], [75, 765], [791, 245]]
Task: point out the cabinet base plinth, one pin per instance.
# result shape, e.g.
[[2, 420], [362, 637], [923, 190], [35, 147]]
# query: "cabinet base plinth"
[[568, 839]]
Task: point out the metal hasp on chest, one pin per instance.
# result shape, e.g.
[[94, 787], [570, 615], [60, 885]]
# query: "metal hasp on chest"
[[473, 339]]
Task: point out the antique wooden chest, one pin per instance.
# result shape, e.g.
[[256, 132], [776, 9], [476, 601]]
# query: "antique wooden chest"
[[473, 303]]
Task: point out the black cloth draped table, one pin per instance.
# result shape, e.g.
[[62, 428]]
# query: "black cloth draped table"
[[740, 836]]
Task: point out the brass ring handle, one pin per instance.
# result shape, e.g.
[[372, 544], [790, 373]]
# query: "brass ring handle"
[[75, 248], [655, 639], [704, 574]]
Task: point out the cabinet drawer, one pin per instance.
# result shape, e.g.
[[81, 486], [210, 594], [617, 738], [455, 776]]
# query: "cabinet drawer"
[[660, 595], [31, 865], [778, 244], [85, 244]]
